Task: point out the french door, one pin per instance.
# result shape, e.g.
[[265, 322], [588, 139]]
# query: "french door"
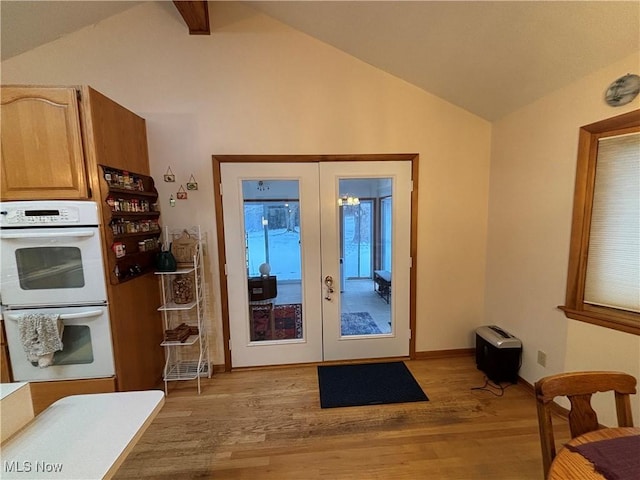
[[317, 260]]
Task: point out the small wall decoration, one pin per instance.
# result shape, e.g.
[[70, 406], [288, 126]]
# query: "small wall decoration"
[[182, 193], [169, 176], [192, 184], [623, 90], [172, 201]]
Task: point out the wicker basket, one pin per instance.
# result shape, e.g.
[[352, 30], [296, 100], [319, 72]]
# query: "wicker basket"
[[184, 248]]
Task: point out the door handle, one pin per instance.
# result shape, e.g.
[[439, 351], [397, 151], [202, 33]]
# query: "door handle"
[[328, 281]]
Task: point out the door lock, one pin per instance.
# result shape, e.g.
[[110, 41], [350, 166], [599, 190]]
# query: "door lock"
[[328, 281]]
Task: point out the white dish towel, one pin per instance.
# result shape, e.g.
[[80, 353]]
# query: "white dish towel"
[[41, 336]]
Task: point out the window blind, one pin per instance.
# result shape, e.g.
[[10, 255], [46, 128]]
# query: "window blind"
[[613, 262]]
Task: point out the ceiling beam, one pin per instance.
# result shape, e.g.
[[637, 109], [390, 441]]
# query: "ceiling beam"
[[196, 15]]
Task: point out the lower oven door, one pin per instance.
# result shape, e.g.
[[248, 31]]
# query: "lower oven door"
[[86, 344]]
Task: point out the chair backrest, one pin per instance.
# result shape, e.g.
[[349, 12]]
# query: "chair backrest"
[[578, 388]]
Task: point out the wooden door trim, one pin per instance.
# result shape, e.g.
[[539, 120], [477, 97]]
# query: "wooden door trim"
[[218, 160]]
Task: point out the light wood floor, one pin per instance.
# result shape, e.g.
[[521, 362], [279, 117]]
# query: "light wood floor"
[[268, 424]]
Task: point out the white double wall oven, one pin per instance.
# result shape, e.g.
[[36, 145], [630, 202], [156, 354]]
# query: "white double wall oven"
[[52, 264]]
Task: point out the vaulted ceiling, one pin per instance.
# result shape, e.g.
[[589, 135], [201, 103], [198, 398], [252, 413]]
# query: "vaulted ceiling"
[[488, 57]]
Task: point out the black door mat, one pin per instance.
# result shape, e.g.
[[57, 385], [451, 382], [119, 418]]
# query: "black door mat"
[[367, 384]]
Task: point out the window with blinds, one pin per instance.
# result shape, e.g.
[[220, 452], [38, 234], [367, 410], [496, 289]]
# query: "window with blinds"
[[603, 278], [613, 260]]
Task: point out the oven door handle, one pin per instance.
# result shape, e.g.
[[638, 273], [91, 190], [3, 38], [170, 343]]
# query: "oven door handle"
[[71, 316], [30, 235], [64, 316]]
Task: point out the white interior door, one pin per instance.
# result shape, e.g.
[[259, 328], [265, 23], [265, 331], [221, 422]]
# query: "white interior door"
[[366, 245], [311, 280], [272, 216]]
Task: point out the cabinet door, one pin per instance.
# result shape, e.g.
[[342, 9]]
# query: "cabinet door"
[[5, 375], [42, 154], [44, 394]]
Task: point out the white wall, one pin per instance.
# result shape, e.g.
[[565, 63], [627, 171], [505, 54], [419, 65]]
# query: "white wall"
[[256, 86], [533, 164]]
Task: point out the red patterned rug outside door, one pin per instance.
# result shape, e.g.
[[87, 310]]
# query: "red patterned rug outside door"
[[282, 322]]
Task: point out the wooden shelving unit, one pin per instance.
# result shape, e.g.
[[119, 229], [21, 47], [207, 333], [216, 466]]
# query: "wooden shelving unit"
[[131, 222]]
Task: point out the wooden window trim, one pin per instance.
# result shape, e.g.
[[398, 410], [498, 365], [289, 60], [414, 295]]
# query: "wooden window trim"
[[574, 307]]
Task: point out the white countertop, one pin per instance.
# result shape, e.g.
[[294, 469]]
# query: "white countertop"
[[7, 389], [80, 437]]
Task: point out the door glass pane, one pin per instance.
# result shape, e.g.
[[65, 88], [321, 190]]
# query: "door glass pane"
[[365, 246], [273, 259], [49, 267]]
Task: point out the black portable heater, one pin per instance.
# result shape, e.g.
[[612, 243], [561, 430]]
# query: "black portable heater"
[[498, 354]]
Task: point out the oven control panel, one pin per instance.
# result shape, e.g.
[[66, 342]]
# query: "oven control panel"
[[45, 214], [25, 217]]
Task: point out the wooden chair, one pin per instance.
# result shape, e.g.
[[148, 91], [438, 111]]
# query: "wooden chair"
[[578, 387]]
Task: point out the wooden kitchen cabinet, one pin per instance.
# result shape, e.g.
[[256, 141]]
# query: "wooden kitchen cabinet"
[[44, 394], [119, 141], [56, 142], [42, 154], [5, 373]]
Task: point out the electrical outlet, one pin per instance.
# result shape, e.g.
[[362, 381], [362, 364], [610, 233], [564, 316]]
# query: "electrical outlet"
[[542, 358]]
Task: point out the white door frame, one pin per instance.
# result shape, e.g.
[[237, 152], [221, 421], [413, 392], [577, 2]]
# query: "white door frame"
[[218, 160]]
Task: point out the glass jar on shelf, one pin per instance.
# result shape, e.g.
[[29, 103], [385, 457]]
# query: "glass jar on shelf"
[[182, 289]]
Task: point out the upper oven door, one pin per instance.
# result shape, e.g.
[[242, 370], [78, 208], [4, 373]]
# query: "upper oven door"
[[51, 266]]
